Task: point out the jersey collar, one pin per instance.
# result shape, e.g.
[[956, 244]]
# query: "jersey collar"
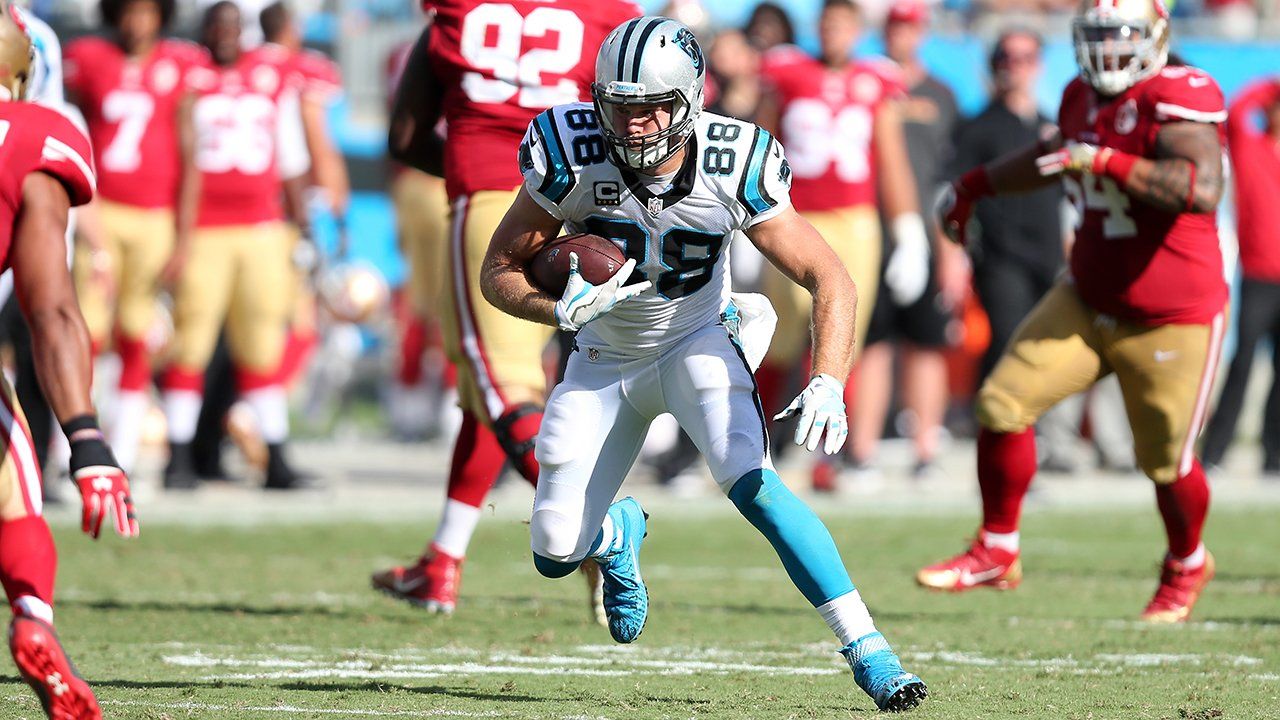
[[680, 187]]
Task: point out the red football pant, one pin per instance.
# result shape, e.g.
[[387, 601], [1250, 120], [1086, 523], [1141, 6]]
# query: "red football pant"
[[1184, 504], [1006, 466]]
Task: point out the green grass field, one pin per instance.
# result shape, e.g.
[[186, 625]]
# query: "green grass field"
[[277, 622]]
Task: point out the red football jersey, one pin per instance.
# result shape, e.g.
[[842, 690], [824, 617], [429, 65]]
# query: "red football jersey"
[[132, 111], [501, 64], [825, 121], [34, 138], [237, 118], [1131, 259], [319, 77], [1255, 162]]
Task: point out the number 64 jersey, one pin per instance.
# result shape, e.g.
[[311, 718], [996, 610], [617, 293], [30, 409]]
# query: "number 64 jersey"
[[677, 228]]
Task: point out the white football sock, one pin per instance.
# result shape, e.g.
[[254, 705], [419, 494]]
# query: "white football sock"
[[33, 607], [1001, 541], [182, 410], [126, 426], [608, 538], [848, 617], [271, 407], [457, 525], [1195, 560]]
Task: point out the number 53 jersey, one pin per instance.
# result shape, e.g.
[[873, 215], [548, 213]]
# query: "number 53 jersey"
[[677, 228]]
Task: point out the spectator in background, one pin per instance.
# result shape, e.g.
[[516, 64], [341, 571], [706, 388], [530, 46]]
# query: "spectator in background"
[[769, 26], [930, 116], [735, 66], [1255, 162], [1018, 250]]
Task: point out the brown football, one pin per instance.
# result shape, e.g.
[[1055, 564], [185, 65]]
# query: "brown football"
[[598, 260]]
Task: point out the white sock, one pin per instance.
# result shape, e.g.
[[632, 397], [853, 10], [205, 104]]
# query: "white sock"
[[848, 617], [457, 525], [1195, 560], [125, 432], [1001, 541], [271, 407], [33, 607], [182, 410], [609, 538]]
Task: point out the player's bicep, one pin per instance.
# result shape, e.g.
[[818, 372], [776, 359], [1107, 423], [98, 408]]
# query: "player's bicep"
[[39, 252], [1200, 144], [524, 230], [795, 247]]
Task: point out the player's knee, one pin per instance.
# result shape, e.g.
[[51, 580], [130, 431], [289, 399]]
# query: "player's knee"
[[554, 536], [517, 429], [1157, 462], [999, 410], [550, 568]]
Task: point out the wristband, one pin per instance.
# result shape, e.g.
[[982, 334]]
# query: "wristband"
[[1115, 164], [81, 423], [975, 184]]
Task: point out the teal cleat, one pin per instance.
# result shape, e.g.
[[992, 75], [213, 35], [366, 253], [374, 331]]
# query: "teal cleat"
[[878, 672], [626, 599]]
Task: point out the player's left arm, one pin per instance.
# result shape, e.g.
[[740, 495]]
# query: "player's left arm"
[[189, 184], [524, 230], [415, 110], [907, 272]]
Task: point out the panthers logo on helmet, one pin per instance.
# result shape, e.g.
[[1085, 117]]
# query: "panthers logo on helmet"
[[686, 41]]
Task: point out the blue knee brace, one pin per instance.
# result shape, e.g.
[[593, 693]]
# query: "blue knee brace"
[[801, 540]]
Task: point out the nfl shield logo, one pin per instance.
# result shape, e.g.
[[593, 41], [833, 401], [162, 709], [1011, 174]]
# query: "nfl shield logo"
[[593, 354], [655, 206]]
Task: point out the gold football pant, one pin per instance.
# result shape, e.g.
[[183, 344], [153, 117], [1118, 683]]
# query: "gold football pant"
[[20, 494], [242, 276], [138, 244], [422, 214], [499, 357], [1064, 347], [854, 234]]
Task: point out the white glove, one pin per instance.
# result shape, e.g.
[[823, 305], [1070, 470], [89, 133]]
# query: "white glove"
[[907, 273], [583, 302], [1073, 157], [820, 406]]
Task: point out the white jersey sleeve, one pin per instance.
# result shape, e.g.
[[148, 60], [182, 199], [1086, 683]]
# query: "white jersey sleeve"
[[764, 188], [556, 147]]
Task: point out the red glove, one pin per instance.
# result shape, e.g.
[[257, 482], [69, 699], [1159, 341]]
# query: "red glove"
[[104, 488], [954, 205], [105, 492]]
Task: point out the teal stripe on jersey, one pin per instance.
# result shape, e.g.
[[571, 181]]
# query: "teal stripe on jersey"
[[753, 194], [559, 180]]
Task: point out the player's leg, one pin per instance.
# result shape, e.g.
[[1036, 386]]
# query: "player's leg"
[[260, 302], [1166, 374], [148, 238], [1256, 318], [1054, 354], [709, 388], [590, 437], [199, 307], [28, 566]]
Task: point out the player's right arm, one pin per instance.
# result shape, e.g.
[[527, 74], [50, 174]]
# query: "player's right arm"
[[1014, 172], [415, 111], [524, 230], [188, 201], [60, 344]]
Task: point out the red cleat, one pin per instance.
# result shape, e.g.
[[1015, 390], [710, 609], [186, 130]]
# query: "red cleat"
[[1178, 591], [44, 665], [825, 475], [977, 566], [431, 583]]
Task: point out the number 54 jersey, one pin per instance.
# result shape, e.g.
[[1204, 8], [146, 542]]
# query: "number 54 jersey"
[[677, 228]]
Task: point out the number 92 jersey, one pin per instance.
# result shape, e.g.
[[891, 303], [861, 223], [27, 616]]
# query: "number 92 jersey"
[[676, 228]]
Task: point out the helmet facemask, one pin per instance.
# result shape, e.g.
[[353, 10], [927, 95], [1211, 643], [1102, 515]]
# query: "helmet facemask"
[[1115, 53], [648, 151]]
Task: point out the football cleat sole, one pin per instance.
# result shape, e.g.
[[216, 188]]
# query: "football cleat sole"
[[907, 698], [44, 665]]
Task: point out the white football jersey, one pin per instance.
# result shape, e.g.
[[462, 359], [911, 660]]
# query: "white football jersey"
[[734, 176]]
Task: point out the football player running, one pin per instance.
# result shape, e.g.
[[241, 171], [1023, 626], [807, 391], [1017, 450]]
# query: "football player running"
[[646, 168], [45, 169], [501, 380], [1140, 152]]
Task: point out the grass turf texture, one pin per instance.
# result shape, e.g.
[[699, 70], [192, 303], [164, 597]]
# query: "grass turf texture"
[[277, 622]]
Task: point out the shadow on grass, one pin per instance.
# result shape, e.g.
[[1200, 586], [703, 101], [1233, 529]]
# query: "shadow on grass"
[[227, 608], [382, 687]]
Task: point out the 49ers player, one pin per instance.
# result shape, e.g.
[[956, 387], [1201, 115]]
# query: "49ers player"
[[45, 169], [490, 67], [842, 126], [133, 91], [236, 269], [1140, 152]]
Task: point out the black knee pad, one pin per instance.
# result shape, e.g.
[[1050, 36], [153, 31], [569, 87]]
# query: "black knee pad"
[[502, 427]]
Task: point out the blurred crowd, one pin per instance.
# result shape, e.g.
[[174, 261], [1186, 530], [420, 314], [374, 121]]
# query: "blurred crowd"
[[363, 359]]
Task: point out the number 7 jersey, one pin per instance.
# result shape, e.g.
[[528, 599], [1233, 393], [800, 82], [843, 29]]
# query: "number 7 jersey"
[[677, 228], [501, 63]]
